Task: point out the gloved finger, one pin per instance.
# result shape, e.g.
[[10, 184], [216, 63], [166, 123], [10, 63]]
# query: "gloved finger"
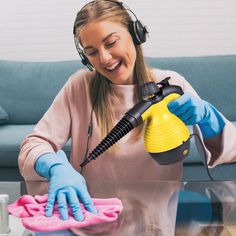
[[87, 200], [62, 205], [50, 203], [75, 204], [191, 121], [183, 109], [192, 117], [174, 105], [189, 114]]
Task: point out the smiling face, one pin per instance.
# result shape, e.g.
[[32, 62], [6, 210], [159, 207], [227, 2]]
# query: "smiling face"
[[110, 49]]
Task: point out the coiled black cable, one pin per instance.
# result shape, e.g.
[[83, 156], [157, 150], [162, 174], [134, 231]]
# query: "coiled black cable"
[[123, 127]]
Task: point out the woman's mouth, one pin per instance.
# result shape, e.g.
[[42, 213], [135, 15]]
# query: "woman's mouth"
[[114, 68]]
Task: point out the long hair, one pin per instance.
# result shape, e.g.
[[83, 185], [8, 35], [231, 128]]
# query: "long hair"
[[100, 88]]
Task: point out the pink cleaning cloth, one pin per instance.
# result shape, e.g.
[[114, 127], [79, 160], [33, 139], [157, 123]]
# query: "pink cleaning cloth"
[[31, 210]]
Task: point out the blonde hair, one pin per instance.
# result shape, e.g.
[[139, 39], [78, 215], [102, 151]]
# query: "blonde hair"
[[100, 88]]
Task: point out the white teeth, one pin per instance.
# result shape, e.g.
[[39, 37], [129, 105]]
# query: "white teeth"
[[113, 66]]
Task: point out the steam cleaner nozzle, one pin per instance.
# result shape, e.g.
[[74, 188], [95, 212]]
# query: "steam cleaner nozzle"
[[124, 126]]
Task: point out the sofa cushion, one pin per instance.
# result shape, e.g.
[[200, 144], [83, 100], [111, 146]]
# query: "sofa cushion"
[[11, 137], [3, 116], [197, 172]]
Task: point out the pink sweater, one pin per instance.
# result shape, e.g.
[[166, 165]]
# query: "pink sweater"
[[68, 117]]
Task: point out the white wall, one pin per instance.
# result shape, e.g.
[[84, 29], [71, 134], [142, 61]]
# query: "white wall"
[[33, 30]]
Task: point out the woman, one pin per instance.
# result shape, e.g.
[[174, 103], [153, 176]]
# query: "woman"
[[103, 29]]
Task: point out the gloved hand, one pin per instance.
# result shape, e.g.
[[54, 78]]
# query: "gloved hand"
[[66, 184], [193, 110]]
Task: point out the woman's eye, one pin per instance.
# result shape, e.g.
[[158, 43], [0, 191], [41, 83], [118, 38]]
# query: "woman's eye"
[[111, 43], [92, 53]]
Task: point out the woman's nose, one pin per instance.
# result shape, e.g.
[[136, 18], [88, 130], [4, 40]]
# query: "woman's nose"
[[104, 56]]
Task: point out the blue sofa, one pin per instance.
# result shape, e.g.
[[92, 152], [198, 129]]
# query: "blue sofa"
[[28, 88]]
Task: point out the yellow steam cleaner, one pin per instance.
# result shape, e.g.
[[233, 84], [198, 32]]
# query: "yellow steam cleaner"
[[166, 137]]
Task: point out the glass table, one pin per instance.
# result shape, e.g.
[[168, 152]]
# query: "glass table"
[[153, 208]]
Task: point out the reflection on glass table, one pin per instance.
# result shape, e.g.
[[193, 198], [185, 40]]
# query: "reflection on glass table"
[[166, 208]]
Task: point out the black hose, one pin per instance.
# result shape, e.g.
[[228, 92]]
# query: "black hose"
[[123, 127]]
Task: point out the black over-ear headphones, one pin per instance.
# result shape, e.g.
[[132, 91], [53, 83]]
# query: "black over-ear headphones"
[[137, 30]]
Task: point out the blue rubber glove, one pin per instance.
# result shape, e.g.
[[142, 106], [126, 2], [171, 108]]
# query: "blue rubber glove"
[[193, 110], [66, 184]]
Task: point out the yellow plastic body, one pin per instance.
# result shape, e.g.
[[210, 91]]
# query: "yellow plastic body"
[[163, 130]]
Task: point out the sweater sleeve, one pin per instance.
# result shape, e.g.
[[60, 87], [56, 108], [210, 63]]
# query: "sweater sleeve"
[[219, 149], [49, 135]]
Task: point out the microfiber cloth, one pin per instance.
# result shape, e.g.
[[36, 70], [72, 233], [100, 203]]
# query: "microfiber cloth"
[[31, 210]]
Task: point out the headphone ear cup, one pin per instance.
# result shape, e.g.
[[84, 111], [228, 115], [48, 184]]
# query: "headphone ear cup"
[[138, 32], [85, 60], [141, 31]]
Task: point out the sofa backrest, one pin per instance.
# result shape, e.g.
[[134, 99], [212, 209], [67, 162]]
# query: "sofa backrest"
[[28, 88], [213, 77]]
